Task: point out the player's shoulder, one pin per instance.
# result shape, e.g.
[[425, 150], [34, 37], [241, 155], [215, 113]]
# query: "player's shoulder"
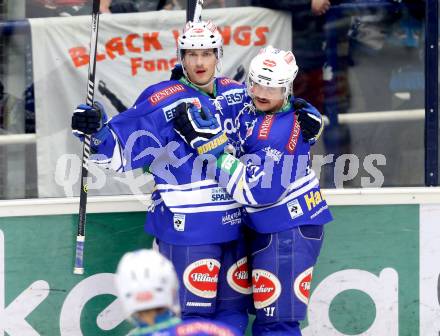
[[160, 92], [225, 84], [205, 328]]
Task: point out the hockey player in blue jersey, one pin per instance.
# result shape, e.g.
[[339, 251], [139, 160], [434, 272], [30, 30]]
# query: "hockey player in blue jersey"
[[195, 221], [147, 286], [285, 208]]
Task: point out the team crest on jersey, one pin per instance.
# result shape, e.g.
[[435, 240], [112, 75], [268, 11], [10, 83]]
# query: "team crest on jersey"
[[294, 209], [293, 139], [266, 288], [266, 125], [301, 286], [273, 153], [201, 278], [179, 222], [238, 277], [157, 97]]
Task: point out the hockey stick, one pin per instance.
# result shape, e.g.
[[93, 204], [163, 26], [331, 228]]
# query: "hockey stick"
[[197, 13], [80, 237]]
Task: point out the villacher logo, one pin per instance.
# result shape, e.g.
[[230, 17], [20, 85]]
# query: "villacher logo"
[[266, 288], [201, 277], [238, 277]]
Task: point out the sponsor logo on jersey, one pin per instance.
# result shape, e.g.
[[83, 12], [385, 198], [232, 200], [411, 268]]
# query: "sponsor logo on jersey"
[[273, 153], [157, 97], [238, 277], [232, 218], [219, 195], [266, 288], [205, 327], [313, 199], [289, 58], [269, 63], [169, 111], [266, 124], [198, 30], [201, 278], [179, 222], [293, 139], [294, 209], [228, 81], [234, 96], [301, 286]]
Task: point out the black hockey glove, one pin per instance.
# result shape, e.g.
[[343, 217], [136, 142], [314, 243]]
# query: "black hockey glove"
[[310, 120], [177, 72], [200, 129], [88, 119]]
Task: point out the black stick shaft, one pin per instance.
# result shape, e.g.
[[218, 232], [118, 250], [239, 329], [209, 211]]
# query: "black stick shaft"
[[81, 229]]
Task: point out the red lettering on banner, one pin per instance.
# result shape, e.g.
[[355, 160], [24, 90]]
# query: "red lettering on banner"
[[261, 34], [160, 64], [152, 41], [266, 124], [113, 46], [80, 57], [226, 34], [165, 93], [242, 35], [293, 139], [129, 42], [176, 35]]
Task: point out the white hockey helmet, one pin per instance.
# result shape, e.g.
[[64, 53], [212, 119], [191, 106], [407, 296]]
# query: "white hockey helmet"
[[272, 68], [200, 35], [145, 280]]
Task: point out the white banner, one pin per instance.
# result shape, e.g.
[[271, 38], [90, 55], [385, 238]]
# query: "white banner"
[[134, 51]]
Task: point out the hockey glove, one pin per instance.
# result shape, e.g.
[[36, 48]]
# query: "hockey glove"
[[200, 129], [88, 119], [177, 72], [310, 120]]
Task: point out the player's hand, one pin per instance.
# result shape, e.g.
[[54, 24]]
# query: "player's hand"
[[88, 119], [177, 72], [310, 120], [200, 129], [320, 7]]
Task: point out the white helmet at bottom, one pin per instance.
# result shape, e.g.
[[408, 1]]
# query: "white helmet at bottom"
[[273, 68], [145, 280]]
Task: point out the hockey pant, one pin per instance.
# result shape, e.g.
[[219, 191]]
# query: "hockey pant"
[[214, 281], [282, 265]]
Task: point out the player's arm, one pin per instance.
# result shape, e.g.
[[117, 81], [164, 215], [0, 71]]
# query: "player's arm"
[[129, 140], [256, 183]]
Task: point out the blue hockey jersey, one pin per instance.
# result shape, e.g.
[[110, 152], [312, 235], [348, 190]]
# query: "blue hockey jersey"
[[174, 327], [188, 207], [273, 178]]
